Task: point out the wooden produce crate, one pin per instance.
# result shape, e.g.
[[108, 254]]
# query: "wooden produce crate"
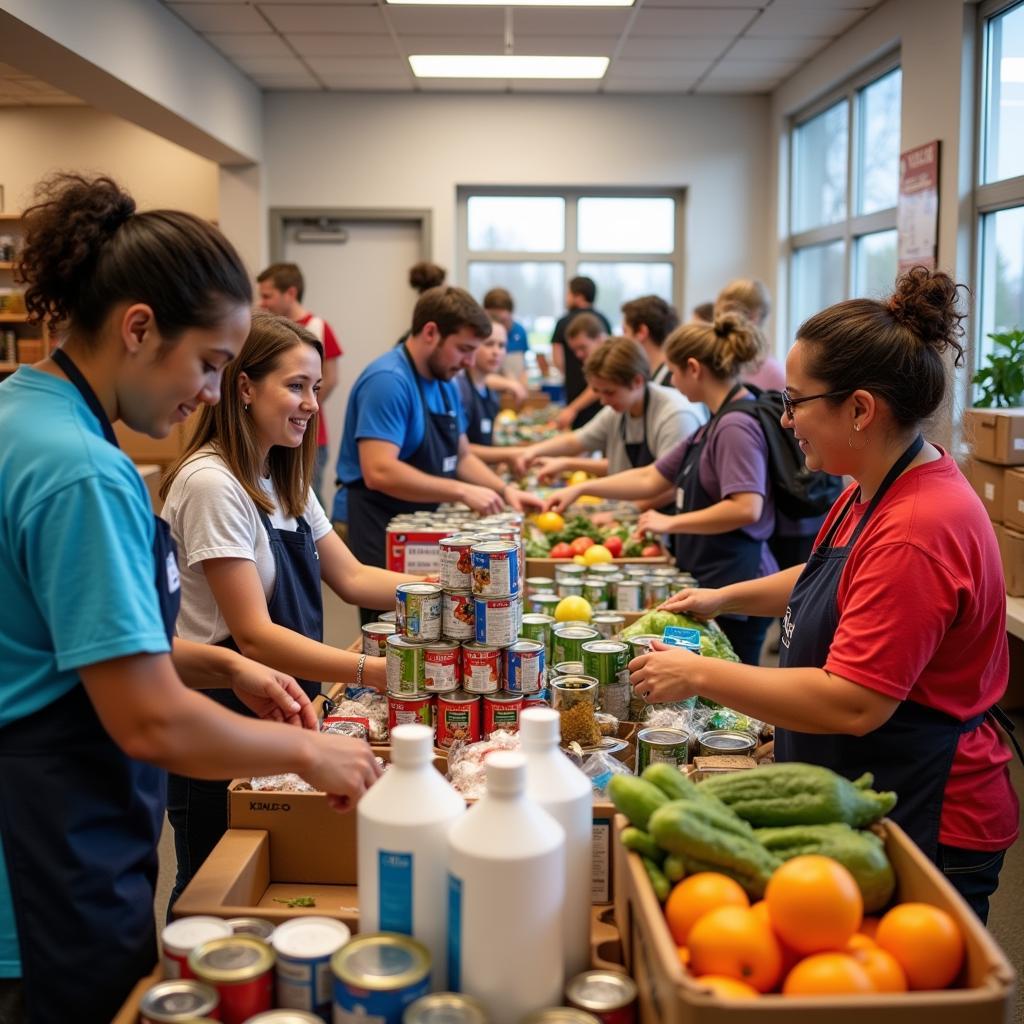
[[669, 996], [546, 566]]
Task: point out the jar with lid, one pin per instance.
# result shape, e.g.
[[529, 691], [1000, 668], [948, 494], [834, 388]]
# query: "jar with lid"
[[574, 697]]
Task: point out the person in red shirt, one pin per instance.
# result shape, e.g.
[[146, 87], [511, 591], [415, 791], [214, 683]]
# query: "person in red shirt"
[[281, 287], [894, 649]]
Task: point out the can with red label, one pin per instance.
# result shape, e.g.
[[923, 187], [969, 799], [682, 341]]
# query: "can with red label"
[[442, 666], [457, 561], [241, 969], [180, 937], [410, 710], [458, 718], [375, 638], [178, 1002], [524, 667], [482, 668], [501, 712], [609, 995], [458, 619], [498, 619]]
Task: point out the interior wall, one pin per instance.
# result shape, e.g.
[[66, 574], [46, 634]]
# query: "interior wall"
[[365, 150]]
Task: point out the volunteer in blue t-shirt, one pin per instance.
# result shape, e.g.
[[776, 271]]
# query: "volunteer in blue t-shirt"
[[92, 706], [404, 446]]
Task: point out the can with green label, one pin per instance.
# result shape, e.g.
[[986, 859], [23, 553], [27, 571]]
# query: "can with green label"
[[608, 624], [661, 746], [567, 642], [567, 668], [606, 660], [538, 627], [595, 592], [570, 588], [543, 604]]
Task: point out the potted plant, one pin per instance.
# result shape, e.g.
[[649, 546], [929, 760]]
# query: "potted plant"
[[1001, 380]]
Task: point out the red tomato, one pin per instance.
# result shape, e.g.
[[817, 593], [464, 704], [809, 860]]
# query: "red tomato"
[[580, 544], [651, 551], [561, 550], [614, 545]]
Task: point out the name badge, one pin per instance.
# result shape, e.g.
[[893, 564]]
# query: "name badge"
[[680, 493], [449, 464], [173, 576], [486, 426]]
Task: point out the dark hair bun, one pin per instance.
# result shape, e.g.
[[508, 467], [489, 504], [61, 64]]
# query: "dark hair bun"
[[927, 303], [426, 275]]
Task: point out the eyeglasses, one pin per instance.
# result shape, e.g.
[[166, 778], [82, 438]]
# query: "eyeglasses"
[[789, 403]]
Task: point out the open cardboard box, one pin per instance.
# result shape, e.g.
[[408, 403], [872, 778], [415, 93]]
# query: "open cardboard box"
[[669, 996]]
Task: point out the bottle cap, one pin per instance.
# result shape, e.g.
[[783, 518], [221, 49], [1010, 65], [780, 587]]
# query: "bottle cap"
[[506, 773], [540, 727], [411, 745]]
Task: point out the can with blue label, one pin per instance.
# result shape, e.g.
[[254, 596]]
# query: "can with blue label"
[[377, 976], [304, 948], [496, 571], [524, 667]]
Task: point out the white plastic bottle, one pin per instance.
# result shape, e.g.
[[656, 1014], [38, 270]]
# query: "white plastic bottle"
[[506, 887], [404, 820], [558, 786]]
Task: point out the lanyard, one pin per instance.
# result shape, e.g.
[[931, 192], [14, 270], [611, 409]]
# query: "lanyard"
[[75, 375]]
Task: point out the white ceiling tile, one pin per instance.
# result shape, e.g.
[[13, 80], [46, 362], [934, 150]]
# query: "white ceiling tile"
[[251, 44], [667, 21], [803, 21], [829, 5], [729, 68], [646, 85], [562, 21], [731, 86], [220, 17], [566, 46], [492, 44], [270, 65], [688, 70], [337, 45], [462, 84], [673, 46], [566, 85], [342, 83], [778, 47], [364, 17], [358, 67], [440, 21], [286, 81]]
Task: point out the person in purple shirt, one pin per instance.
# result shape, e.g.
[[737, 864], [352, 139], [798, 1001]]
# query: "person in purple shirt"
[[724, 508]]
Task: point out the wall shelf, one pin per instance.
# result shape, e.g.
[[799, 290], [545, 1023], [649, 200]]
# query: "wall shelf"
[[13, 318]]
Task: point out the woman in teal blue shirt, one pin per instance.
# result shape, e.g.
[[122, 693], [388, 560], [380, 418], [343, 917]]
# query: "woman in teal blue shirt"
[[92, 703]]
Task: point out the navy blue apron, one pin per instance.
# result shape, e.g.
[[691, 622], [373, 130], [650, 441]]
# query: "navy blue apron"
[[481, 410], [913, 752], [638, 453], [369, 511], [80, 824], [197, 808], [663, 375]]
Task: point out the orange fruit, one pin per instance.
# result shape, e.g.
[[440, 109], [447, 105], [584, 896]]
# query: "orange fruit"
[[734, 942], [814, 904], [926, 941], [684, 955], [693, 897], [790, 957], [868, 927], [827, 974], [882, 968], [728, 987], [858, 941]]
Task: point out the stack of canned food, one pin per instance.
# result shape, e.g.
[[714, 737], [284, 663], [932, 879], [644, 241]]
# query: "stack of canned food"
[[608, 589]]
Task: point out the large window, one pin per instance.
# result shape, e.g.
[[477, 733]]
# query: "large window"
[[999, 194], [532, 241], [843, 183]]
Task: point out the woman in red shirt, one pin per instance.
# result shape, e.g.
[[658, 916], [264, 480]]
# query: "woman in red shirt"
[[894, 648]]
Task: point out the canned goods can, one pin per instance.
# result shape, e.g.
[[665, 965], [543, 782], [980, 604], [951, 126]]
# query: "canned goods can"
[[410, 710], [540, 585], [254, 926], [668, 572], [377, 976], [285, 1017], [537, 626], [543, 604], [457, 561], [570, 571], [418, 608], [498, 619], [406, 670], [375, 638], [568, 668], [661, 746], [628, 594], [180, 937], [458, 619], [501, 712], [388, 617], [524, 667], [175, 1002], [595, 592], [304, 947], [496, 568], [570, 588], [726, 741], [482, 668], [640, 645], [656, 590], [567, 642], [609, 995], [561, 1015], [606, 660], [685, 581], [606, 570], [446, 1008], [458, 718], [608, 624], [637, 571], [442, 666], [241, 969]]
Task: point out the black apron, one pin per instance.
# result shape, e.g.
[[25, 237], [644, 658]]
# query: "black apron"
[[80, 824], [638, 452], [481, 411], [913, 752], [663, 375], [369, 512]]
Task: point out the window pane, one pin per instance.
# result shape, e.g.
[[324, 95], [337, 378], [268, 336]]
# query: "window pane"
[[619, 282], [626, 225], [875, 265], [817, 280], [1004, 102], [538, 290], [879, 149], [1002, 275], [819, 169], [516, 223]]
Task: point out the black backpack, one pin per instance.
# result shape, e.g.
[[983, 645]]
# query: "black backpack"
[[799, 493]]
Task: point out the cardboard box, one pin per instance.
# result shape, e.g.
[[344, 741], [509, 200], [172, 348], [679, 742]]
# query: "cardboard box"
[[996, 435], [1013, 500], [1011, 550], [987, 479], [129, 1013], [546, 566], [668, 996]]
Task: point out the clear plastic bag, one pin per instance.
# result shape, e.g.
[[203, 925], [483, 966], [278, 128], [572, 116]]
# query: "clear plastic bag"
[[600, 768], [707, 715], [368, 704], [288, 783], [466, 761]]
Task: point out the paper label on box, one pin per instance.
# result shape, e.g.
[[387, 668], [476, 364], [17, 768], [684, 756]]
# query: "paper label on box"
[[1018, 444], [600, 873], [394, 888], [990, 492]]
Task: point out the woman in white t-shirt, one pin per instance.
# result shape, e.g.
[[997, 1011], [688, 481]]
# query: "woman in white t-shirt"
[[254, 545]]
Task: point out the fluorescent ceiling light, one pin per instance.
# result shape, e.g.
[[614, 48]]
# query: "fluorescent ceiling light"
[[517, 3], [450, 65]]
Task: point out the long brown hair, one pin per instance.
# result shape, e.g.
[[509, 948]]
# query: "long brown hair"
[[229, 430], [619, 361]]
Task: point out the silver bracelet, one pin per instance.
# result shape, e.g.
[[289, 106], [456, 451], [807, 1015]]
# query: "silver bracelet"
[[359, 669]]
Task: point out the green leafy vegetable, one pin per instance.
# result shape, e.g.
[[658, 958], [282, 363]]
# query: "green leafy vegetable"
[[297, 901]]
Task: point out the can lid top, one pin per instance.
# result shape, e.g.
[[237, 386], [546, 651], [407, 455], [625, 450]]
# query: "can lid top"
[[234, 959], [445, 1008], [728, 739], [284, 1017], [188, 932], [602, 990], [382, 962], [309, 937], [179, 996], [663, 736]]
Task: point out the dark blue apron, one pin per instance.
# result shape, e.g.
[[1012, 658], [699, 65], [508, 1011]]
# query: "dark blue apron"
[[80, 824], [197, 808], [481, 409], [639, 452], [369, 512], [913, 752]]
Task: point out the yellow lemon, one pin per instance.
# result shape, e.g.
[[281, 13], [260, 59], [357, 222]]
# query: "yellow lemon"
[[507, 416], [573, 609], [579, 559], [550, 522], [581, 476], [596, 554], [588, 499]]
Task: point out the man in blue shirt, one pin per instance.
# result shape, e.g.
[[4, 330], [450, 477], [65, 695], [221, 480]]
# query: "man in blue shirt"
[[404, 446]]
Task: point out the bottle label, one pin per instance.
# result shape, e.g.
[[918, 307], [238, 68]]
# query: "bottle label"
[[454, 933], [394, 888]]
